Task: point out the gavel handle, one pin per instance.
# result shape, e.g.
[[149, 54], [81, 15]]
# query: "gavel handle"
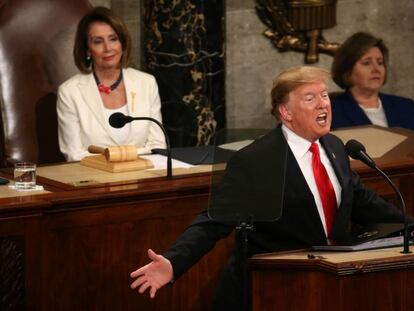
[[96, 149]]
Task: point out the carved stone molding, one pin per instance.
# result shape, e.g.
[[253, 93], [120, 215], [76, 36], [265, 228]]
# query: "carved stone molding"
[[297, 25]]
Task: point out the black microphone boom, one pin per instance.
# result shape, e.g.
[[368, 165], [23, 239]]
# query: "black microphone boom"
[[356, 150], [118, 120]]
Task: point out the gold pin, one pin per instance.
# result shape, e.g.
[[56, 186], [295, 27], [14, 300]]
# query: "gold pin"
[[133, 101]]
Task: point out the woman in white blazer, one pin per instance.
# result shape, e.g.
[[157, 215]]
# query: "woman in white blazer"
[[105, 86]]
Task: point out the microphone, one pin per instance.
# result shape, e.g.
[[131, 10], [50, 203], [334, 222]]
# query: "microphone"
[[118, 120], [357, 151]]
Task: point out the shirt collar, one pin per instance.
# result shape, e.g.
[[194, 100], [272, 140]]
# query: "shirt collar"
[[297, 144]]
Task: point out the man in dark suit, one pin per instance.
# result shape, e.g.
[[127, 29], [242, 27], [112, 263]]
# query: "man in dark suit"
[[314, 208]]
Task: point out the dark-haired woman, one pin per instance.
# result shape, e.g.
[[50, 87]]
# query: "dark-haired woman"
[[360, 68], [106, 85]]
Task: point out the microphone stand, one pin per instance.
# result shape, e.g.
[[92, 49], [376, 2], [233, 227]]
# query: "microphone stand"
[[244, 227], [167, 140], [406, 244], [357, 151]]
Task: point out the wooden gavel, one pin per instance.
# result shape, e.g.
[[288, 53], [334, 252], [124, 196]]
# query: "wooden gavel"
[[116, 153]]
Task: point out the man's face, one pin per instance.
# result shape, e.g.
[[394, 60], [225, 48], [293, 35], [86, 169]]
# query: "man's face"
[[308, 111]]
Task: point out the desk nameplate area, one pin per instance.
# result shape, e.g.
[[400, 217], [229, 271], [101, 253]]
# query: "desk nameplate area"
[[77, 175]]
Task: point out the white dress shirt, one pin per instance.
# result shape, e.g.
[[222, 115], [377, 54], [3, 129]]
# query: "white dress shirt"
[[376, 115], [300, 148]]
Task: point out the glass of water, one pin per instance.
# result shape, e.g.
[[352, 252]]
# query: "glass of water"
[[25, 176]]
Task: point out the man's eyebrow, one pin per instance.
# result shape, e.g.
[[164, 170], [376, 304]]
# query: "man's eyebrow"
[[309, 93]]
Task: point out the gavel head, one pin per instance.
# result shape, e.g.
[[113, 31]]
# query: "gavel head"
[[121, 153]]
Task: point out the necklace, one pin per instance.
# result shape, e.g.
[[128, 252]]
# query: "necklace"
[[107, 89]]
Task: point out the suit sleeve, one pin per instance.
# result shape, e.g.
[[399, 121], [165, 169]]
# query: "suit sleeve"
[[201, 236], [69, 127]]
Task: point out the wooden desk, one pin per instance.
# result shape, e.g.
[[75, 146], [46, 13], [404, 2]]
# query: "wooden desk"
[[379, 280], [73, 248]]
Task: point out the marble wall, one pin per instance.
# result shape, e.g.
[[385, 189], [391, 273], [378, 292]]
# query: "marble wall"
[[252, 62]]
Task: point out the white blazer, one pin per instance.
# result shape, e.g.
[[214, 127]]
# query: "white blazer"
[[82, 121]]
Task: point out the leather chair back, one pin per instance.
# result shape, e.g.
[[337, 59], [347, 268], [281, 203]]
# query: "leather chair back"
[[36, 43]]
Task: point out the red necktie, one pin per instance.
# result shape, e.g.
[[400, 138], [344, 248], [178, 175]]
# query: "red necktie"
[[325, 188]]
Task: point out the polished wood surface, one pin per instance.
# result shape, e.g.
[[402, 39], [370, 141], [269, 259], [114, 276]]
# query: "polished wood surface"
[[380, 280]]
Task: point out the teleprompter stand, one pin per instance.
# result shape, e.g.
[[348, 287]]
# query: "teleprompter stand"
[[237, 197]]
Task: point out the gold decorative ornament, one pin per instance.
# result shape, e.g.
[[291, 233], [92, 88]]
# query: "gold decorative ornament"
[[297, 25]]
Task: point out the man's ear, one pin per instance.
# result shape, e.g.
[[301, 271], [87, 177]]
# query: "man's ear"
[[285, 113]]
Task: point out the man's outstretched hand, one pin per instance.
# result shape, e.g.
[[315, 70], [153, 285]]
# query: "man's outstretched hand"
[[153, 275]]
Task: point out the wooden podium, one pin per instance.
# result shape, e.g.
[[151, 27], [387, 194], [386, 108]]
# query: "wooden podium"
[[317, 281]]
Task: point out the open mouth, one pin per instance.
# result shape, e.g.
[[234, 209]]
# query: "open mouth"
[[322, 118]]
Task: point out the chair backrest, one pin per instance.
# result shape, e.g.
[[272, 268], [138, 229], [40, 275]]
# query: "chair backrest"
[[36, 42]]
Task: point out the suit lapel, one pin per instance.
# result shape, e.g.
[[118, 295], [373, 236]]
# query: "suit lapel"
[[133, 101], [131, 91], [330, 152], [354, 112], [299, 197], [92, 99], [390, 113], [336, 160]]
